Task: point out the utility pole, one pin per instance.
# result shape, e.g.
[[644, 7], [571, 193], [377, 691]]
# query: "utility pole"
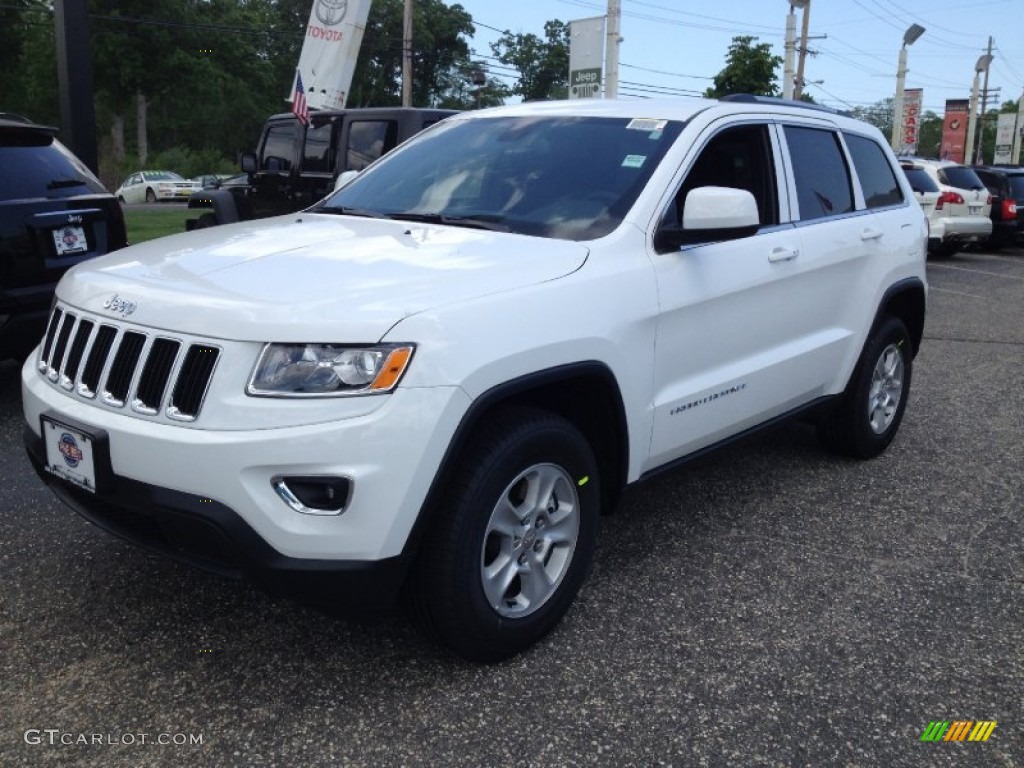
[[976, 154], [74, 80], [798, 87], [407, 55], [611, 76]]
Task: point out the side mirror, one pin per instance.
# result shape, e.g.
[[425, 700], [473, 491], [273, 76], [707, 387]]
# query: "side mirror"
[[344, 178], [249, 162], [710, 214]]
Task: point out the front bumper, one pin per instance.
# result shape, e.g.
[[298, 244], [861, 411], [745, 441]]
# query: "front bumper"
[[211, 536], [206, 496]]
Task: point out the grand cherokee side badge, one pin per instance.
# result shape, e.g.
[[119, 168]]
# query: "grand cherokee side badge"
[[120, 306]]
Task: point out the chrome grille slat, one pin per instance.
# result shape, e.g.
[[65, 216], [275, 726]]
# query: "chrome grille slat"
[[149, 392], [122, 369], [96, 362], [60, 347], [154, 373], [74, 360]]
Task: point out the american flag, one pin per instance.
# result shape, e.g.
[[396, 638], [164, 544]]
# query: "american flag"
[[299, 107]]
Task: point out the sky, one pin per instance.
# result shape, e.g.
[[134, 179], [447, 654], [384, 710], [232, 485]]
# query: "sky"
[[676, 47]]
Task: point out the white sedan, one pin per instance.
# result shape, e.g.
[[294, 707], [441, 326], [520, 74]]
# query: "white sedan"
[[153, 186]]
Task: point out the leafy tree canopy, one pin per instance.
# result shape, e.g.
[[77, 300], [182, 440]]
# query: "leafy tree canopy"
[[542, 63], [749, 68]]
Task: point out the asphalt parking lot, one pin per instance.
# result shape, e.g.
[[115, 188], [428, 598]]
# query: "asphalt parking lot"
[[771, 606]]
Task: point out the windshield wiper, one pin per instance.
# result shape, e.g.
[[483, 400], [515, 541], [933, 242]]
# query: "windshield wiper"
[[488, 221], [61, 183], [344, 211]]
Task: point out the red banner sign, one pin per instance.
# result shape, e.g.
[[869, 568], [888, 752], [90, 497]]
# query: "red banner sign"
[[954, 130]]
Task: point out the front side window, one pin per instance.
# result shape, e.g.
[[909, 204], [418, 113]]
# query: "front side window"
[[277, 148], [822, 179], [738, 157], [877, 179], [572, 178]]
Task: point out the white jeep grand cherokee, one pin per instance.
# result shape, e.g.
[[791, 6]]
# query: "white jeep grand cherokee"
[[438, 377]]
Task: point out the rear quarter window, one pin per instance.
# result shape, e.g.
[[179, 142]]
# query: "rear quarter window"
[[877, 179], [919, 180], [960, 177]]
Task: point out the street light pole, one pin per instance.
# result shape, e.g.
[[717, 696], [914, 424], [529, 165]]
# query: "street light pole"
[[913, 32], [972, 119]]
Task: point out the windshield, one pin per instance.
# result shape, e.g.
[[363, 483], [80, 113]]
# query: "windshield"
[[162, 176], [571, 178]]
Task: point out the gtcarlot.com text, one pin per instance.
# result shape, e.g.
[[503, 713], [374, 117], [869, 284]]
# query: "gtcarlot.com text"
[[56, 737]]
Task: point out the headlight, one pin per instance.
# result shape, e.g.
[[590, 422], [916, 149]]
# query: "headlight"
[[310, 370]]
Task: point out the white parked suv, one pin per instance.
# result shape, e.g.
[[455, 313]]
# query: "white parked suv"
[[441, 375], [961, 215]]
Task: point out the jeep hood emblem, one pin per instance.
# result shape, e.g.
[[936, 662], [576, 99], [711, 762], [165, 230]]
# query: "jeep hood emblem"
[[117, 305]]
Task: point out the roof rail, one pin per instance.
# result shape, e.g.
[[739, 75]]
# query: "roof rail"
[[749, 98]]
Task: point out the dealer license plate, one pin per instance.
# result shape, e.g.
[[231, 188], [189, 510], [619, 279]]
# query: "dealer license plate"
[[70, 454], [70, 240]]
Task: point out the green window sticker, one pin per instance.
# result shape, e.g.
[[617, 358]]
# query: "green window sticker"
[[633, 161]]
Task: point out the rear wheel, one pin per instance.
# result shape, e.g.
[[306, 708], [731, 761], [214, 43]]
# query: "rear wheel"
[[512, 538], [870, 411]]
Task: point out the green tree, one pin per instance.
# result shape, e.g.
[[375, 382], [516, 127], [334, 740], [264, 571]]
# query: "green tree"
[[543, 64], [878, 114], [749, 68], [440, 57]]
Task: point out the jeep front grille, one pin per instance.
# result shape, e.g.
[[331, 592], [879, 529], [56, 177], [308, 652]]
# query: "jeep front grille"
[[117, 366]]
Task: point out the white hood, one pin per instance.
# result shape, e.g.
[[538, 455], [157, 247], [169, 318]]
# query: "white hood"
[[311, 277]]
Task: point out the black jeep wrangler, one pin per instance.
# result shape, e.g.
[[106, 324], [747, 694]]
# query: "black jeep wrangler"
[[295, 165]]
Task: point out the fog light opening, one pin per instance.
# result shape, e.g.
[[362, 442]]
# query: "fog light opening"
[[314, 495]]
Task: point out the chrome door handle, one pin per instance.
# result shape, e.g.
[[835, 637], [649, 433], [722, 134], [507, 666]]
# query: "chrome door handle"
[[783, 254]]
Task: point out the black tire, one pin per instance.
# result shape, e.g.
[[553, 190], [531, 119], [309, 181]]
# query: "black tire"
[[206, 220], [150, 196], [473, 546], [870, 410]]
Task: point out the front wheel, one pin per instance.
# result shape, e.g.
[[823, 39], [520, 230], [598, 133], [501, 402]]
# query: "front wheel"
[[512, 538], [870, 411], [150, 196]]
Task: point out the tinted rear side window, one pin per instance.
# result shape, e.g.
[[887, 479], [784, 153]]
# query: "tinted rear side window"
[[1017, 184], [877, 179], [37, 166], [959, 176], [819, 168], [920, 181]]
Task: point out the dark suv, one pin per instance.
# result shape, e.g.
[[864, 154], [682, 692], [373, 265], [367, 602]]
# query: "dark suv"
[[1006, 184], [295, 165], [54, 213]]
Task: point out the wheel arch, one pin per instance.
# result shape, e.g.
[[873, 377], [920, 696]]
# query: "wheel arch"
[[585, 393], [905, 300], [223, 203]]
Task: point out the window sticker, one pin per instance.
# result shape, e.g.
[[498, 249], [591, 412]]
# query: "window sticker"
[[647, 124], [633, 161]]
